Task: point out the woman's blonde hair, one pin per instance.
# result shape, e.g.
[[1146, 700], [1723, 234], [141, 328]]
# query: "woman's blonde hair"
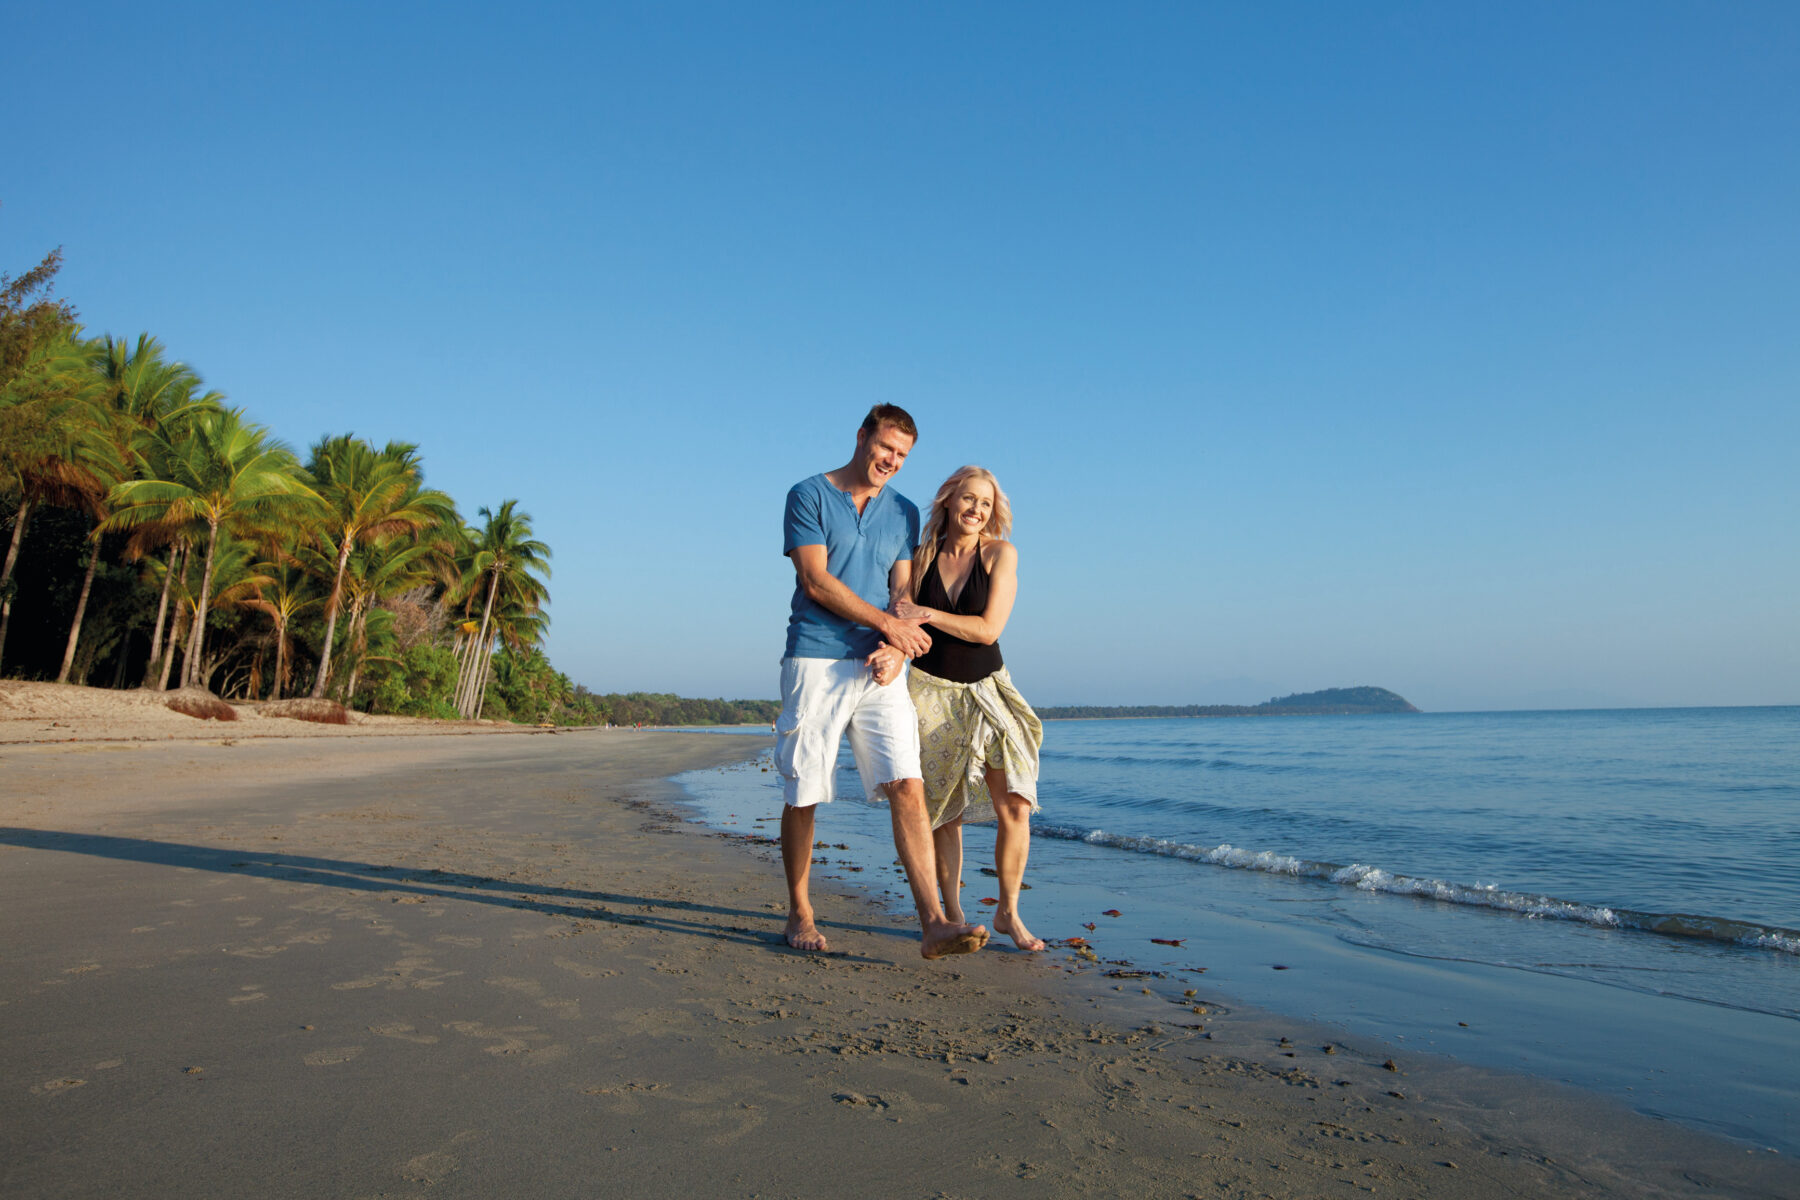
[[931, 538]]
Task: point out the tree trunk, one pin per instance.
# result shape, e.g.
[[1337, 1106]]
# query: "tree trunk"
[[162, 608], [359, 624], [190, 666], [280, 659], [487, 669], [331, 615], [487, 611], [190, 661], [175, 630], [465, 656], [12, 559], [87, 585], [124, 653]]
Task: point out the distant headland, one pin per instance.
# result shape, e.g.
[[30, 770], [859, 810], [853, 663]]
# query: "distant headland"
[[1352, 701]]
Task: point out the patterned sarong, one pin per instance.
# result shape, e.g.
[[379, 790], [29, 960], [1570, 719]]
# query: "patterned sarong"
[[966, 727]]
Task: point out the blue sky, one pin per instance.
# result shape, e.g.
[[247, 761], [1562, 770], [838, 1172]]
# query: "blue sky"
[[1447, 348]]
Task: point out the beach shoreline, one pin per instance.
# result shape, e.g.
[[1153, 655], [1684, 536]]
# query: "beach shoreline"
[[463, 965]]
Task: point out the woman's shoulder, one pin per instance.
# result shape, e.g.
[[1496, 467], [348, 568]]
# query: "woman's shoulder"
[[999, 553]]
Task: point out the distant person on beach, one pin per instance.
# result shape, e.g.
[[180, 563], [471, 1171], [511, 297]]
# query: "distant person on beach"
[[979, 739], [851, 540]]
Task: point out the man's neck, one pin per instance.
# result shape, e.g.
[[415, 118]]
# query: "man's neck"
[[849, 479]]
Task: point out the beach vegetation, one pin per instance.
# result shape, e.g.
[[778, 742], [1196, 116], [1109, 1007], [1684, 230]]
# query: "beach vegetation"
[[156, 536]]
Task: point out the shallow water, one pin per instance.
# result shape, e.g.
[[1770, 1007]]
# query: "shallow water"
[[1605, 898]]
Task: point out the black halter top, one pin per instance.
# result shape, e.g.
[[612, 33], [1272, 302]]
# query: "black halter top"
[[950, 657]]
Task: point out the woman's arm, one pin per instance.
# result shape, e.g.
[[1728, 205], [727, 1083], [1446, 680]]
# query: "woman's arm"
[[1003, 589]]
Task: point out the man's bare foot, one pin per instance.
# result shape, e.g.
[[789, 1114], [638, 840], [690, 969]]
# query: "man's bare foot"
[[802, 934], [952, 937], [1015, 929], [953, 912]]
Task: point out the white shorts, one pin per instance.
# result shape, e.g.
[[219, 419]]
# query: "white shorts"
[[821, 700]]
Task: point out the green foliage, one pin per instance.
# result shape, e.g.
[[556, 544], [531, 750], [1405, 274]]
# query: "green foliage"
[[419, 684], [232, 562], [661, 708]]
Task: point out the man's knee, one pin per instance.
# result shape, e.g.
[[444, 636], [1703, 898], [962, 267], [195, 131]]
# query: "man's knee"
[[905, 791]]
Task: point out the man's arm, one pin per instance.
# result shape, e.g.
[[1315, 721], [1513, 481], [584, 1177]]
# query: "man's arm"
[[828, 592], [899, 584]]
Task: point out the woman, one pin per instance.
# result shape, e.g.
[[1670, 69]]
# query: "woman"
[[978, 738]]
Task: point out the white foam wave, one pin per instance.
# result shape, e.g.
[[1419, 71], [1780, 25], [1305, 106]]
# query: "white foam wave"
[[1368, 878]]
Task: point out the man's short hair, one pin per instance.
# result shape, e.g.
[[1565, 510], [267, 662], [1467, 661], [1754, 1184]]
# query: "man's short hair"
[[890, 414]]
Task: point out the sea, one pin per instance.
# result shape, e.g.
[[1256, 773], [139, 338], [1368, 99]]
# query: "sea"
[[1606, 899]]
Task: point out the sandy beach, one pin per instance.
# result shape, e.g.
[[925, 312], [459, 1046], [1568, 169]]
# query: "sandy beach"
[[272, 958]]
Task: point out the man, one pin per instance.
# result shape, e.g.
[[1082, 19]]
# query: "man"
[[851, 539]]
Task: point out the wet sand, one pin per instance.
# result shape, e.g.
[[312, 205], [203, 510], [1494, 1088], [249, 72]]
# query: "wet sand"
[[479, 966]]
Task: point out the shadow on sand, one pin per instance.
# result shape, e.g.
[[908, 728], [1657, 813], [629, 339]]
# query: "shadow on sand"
[[616, 908]]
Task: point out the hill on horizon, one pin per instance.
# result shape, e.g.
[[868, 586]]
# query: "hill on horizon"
[[1350, 701]]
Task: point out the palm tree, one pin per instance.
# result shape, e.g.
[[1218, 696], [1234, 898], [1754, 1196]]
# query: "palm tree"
[[379, 572], [367, 495], [226, 473], [55, 444], [282, 596], [507, 559], [136, 392]]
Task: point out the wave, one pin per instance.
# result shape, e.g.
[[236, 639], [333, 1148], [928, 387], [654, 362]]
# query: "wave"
[[1174, 760], [1375, 879]]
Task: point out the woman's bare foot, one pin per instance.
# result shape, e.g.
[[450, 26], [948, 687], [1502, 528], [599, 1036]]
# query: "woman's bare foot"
[[802, 934], [1014, 928], [952, 937]]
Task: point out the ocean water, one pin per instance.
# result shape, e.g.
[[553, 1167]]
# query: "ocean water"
[[1606, 898]]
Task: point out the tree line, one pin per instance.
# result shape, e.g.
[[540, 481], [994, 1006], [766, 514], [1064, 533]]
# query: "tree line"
[[659, 708], [158, 537], [1357, 701]]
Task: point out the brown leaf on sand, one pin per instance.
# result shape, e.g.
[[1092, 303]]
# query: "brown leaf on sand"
[[1112, 912], [990, 900], [1168, 941], [1088, 925], [1075, 941]]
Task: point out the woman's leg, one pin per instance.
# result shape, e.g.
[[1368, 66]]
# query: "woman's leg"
[[1012, 844], [947, 840]]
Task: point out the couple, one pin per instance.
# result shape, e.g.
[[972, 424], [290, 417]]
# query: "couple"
[[956, 742]]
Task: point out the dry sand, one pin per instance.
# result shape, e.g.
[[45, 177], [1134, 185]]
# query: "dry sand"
[[435, 966], [63, 712]]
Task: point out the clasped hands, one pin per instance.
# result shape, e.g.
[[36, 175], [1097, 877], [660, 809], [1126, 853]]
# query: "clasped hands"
[[904, 639]]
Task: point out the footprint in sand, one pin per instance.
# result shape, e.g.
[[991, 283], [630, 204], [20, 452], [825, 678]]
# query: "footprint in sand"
[[436, 1166], [507, 1042], [253, 951], [404, 1033], [61, 1085], [248, 996], [330, 1058], [568, 1010]]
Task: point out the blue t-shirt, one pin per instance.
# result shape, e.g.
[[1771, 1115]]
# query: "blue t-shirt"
[[860, 550]]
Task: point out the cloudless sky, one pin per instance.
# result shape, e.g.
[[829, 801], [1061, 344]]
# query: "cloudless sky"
[[1449, 348]]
